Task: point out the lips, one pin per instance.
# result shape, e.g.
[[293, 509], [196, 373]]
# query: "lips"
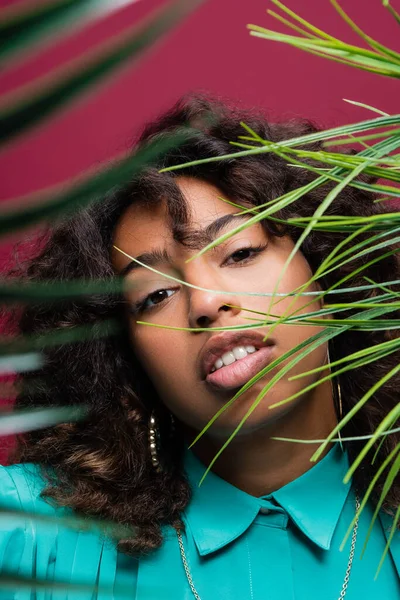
[[239, 372]]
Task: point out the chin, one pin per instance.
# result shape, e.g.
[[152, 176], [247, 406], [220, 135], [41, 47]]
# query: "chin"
[[223, 431]]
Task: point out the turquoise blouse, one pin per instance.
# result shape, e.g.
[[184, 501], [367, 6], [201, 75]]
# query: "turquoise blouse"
[[282, 546]]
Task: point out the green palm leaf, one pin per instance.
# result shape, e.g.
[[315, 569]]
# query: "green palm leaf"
[[38, 418], [380, 60], [24, 344], [392, 11], [309, 345], [83, 192], [27, 106], [34, 24]]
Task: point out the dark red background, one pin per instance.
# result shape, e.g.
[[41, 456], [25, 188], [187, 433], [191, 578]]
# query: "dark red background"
[[211, 50]]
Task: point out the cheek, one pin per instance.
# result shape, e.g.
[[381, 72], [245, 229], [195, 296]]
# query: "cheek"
[[147, 347], [295, 278], [292, 305], [161, 353], [288, 336]]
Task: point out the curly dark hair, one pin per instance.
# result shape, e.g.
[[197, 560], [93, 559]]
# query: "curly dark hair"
[[102, 465]]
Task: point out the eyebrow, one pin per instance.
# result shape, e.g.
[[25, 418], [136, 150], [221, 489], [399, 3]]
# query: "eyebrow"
[[199, 236]]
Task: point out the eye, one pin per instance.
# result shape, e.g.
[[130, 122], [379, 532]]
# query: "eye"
[[152, 300], [246, 254]]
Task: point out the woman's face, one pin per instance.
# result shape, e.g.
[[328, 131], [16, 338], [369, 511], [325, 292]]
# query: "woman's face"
[[185, 366]]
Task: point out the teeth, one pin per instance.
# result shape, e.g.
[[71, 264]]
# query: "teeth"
[[239, 352], [250, 349], [230, 357]]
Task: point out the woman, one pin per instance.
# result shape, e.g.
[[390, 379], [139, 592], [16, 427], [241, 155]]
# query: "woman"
[[265, 522]]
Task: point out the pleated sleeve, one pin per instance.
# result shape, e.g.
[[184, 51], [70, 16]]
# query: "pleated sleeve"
[[47, 549]]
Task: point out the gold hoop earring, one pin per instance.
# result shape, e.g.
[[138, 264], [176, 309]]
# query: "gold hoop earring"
[[154, 440], [338, 395]]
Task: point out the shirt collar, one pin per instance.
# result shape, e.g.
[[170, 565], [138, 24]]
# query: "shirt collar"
[[218, 512], [315, 500]]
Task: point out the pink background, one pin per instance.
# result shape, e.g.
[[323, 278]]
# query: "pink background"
[[211, 50]]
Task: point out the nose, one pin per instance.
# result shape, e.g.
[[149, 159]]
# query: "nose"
[[207, 308]]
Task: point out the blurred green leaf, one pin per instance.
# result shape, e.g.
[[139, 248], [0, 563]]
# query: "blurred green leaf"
[[31, 25], [68, 335], [38, 418], [30, 104], [16, 363], [23, 23], [83, 192], [42, 292]]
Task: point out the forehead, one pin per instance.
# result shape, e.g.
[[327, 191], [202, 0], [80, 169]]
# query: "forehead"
[[205, 202], [146, 225]]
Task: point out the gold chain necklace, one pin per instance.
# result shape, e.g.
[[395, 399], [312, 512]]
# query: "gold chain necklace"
[[346, 577]]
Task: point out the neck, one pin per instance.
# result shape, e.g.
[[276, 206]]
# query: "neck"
[[259, 465]]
